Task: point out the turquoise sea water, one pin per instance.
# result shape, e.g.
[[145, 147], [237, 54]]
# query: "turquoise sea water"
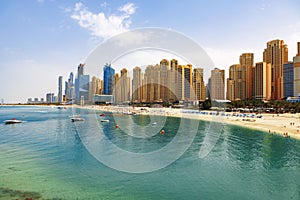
[[44, 158]]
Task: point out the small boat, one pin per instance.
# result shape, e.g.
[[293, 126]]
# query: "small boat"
[[77, 119], [12, 121], [104, 120], [102, 115], [128, 113], [74, 116], [154, 123]]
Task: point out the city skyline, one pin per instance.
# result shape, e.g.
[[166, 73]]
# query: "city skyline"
[[56, 37], [169, 81]]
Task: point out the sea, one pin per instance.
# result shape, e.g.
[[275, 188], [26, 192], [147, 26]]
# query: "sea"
[[129, 157]]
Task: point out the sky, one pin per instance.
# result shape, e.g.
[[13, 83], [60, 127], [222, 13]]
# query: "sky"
[[43, 39]]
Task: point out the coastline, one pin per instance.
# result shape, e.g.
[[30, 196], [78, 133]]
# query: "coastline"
[[269, 123]]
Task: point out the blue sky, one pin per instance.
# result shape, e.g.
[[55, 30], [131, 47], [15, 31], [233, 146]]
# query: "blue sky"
[[42, 39]]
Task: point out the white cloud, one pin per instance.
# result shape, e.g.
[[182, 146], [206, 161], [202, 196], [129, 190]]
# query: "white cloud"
[[128, 8], [101, 25], [78, 6]]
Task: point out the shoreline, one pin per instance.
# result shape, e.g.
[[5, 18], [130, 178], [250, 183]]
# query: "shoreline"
[[269, 123]]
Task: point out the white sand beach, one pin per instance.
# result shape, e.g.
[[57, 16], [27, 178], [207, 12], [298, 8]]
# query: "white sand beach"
[[270, 123]]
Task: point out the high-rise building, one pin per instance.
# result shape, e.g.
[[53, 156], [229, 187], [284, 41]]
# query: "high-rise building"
[[96, 86], [137, 88], [108, 79], [124, 86], [208, 88], [230, 90], [198, 84], [239, 83], [217, 84], [117, 89], [66, 87], [185, 81], [230, 93], [247, 63], [49, 97], [288, 79], [156, 81], [262, 81], [60, 89], [71, 79], [144, 89], [297, 72], [164, 86], [276, 54], [149, 89], [173, 80], [70, 95], [80, 70], [83, 88]]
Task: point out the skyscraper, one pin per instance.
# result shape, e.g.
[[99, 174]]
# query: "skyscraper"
[[276, 54], [59, 95], [66, 88], [230, 90], [173, 80], [137, 85], [156, 81], [149, 84], [117, 89], [164, 87], [288, 79], [262, 81], [247, 63], [71, 79], [185, 81], [124, 85], [80, 69], [217, 84], [95, 87], [49, 97], [198, 84], [83, 87], [297, 72], [208, 88], [108, 79], [230, 93], [70, 89]]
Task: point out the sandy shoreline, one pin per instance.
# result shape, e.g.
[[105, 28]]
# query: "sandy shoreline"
[[270, 123]]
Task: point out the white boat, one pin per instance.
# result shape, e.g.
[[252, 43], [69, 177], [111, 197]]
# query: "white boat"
[[128, 113], [13, 121], [154, 123], [76, 119], [74, 116], [104, 120]]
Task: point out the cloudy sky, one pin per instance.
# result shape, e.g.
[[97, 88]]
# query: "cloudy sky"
[[42, 39]]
